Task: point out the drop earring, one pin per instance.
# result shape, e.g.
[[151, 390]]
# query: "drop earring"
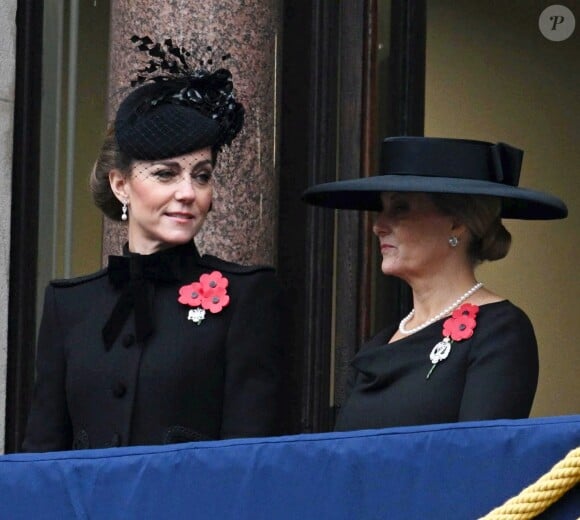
[[124, 212], [453, 241]]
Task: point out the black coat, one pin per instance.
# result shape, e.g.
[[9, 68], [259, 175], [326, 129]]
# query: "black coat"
[[491, 375], [183, 382]]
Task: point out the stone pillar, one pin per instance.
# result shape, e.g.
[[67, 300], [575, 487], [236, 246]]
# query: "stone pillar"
[[7, 82], [242, 226]]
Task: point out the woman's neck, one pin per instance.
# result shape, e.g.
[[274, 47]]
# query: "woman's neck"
[[149, 248], [434, 294]]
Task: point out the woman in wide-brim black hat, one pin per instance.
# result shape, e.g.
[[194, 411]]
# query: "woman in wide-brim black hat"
[[463, 352], [164, 345]]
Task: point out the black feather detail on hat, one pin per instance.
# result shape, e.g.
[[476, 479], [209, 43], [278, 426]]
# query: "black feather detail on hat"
[[176, 107]]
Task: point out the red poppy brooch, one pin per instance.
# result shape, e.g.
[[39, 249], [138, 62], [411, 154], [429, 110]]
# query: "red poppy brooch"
[[458, 327], [209, 294]]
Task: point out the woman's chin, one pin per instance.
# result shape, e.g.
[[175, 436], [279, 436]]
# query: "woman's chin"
[[389, 269], [181, 239]]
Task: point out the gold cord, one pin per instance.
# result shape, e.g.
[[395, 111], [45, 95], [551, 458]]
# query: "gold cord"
[[547, 490]]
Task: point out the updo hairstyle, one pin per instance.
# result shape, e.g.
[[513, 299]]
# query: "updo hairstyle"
[[109, 158], [489, 239]]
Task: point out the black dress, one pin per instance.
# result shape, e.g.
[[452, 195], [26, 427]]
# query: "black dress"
[[153, 376], [491, 375]]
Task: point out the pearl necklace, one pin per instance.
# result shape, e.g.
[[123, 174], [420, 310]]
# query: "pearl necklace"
[[442, 314]]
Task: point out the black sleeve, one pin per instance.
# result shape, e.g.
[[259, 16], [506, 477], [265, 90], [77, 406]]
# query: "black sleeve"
[[253, 372], [502, 375], [49, 426]]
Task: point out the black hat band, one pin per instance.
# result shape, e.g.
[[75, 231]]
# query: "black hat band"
[[455, 158]]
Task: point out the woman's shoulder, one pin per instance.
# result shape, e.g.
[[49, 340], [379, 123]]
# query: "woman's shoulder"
[[214, 262], [503, 310], [79, 280], [504, 323]]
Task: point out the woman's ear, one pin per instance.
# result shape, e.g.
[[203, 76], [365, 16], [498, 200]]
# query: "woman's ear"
[[118, 183], [458, 228]]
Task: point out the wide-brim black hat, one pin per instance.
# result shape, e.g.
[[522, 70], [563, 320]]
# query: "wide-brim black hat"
[[442, 165]]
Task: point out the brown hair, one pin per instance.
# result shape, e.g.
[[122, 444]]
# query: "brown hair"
[[489, 239], [110, 158]]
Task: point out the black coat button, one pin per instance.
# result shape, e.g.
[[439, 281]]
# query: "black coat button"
[[119, 389], [128, 340]]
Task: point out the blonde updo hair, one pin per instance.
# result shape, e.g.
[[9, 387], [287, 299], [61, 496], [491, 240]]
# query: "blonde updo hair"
[[110, 158], [489, 239]]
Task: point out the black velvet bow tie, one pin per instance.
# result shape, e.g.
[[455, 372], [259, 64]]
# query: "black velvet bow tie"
[[136, 275]]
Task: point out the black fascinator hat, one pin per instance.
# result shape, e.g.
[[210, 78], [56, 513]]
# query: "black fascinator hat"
[[441, 165], [176, 107]]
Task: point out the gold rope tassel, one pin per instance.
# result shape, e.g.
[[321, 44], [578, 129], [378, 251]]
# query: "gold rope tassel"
[[537, 497]]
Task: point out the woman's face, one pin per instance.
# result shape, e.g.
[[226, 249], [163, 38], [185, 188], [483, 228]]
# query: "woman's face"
[[168, 199], [413, 235]]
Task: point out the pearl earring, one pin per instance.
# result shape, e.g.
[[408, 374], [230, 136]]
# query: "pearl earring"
[[453, 241], [124, 210]]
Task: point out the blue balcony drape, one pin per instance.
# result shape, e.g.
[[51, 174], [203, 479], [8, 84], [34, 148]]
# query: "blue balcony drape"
[[449, 471]]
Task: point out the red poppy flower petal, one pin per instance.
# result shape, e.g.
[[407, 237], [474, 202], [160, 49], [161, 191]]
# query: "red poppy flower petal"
[[213, 281], [458, 335], [184, 299], [215, 291], [468, 321], [222, 281], [460, 327], [474, 309], [457, 313], [191, 294], [448, 326], [215, 304], [213, 308], [467, 309], [210, 292]]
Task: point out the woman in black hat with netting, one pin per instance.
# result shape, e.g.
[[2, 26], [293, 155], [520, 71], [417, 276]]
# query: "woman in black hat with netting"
[[164, 345], [463, 352]]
